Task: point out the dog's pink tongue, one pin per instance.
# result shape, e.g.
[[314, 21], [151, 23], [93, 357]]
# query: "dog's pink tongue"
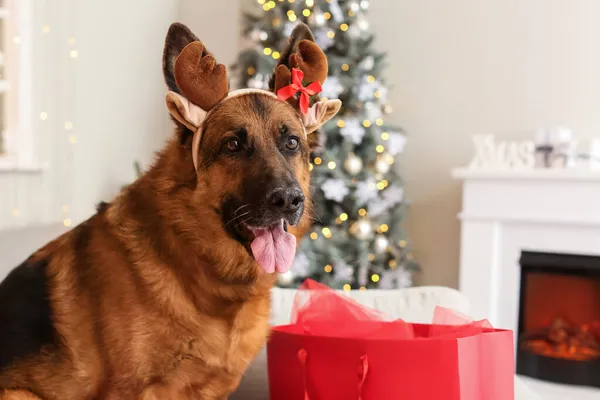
[[274, 248]]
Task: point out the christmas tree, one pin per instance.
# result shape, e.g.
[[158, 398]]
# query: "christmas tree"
[[357, 240]]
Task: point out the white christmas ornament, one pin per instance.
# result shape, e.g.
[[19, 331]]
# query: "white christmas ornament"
[[255, 35], [365, 191], [364, 4], [343, 272], [382, 166], [367, 63], [263, 35], [332, 87], [353, 164], [362, 23], [396, 143], [389, 198], [353, 130], [300, 265], [257, 81], [323, 40], [335, 189], [373, 111], [399, 278], [354, 6], [286, 278], [320, 19], [403, 278], [381, 244], [367, 89], [362, 229]]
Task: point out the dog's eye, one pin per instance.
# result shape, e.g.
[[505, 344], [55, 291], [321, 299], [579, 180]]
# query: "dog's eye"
[[292, 143], [233, 145]]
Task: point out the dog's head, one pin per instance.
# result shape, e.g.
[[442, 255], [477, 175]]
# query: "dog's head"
[[250, 148]]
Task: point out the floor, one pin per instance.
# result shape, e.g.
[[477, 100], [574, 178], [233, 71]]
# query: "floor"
[[553, 391]]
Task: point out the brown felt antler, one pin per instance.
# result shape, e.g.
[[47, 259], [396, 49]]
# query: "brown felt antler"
[[310, 59], [200, 78]]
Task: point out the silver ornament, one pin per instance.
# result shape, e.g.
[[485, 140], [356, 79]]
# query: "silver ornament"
[[362, 229], [320, 19], [353, 164], [264, 35], [255, 34], [382, 166], [364, 4], [363, 24], [286, 278], [381, 244]]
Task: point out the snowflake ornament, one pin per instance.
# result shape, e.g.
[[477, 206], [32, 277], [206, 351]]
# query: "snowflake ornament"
[[324, 41], [373, 111], [300, 265], [366, 90], [342, 272], [396, 143], [353, 130], [365, 192], [390, 197], [335, 189], [257, 81], [367, 63], [403, 278], [332, 87], [399, 278]]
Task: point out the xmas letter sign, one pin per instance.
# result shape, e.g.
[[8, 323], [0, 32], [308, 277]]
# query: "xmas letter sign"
[[490, 154]]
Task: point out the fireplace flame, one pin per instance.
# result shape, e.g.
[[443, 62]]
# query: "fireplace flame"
[[561, 339]]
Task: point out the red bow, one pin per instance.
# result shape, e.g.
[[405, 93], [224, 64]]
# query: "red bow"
[[296, 86]]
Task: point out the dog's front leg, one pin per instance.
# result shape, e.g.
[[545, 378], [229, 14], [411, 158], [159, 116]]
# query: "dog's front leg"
[[218, 387], [17, 395]]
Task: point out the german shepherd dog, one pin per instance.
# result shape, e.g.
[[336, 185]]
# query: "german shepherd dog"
[[164, 293]]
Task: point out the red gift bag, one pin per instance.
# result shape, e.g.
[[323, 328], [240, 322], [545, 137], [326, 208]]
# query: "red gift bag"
[[336, 349]]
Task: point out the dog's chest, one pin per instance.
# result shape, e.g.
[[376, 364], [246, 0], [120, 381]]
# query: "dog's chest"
[[231, 344]]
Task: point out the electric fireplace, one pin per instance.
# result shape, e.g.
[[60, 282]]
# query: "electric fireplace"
[[559, 318]]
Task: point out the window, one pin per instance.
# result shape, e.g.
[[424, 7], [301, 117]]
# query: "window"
[[16, 147]]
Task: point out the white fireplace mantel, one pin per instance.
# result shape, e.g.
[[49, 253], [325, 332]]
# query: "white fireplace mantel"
[[507, 211]]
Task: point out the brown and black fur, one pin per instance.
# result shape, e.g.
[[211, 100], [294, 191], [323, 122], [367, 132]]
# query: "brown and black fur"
[[157, 296]]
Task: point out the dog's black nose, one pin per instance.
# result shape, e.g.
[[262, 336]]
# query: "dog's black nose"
[[286, 200]]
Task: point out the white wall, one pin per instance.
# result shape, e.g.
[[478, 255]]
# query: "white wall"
[[217, 25], [112, 93], [18, 244], [119, 94], [467, 66]]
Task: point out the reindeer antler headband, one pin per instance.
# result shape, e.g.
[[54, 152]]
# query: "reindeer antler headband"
[[203, 84]]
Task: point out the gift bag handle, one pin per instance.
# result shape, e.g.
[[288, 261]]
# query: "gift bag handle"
[[363, 369]]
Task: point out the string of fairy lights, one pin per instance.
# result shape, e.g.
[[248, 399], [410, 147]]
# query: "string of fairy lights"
[[45, 36], [360, 226]]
